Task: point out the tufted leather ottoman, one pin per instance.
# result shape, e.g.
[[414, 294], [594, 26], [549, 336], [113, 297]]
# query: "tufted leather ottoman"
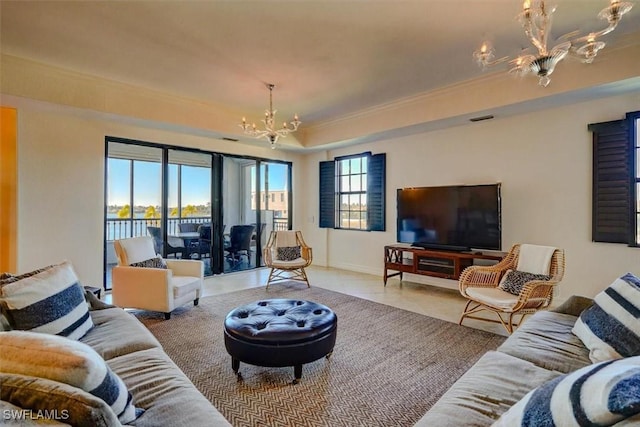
[[280, 332]]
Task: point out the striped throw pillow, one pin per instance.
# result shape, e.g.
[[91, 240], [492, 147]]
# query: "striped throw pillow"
[[51, 301], [610, 328], [69, 362], [596, 395]]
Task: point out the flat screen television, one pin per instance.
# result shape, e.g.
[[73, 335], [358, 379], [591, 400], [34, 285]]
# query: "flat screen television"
[[457, 218]]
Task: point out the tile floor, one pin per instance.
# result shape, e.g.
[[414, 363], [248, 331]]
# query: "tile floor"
[[434, 301]]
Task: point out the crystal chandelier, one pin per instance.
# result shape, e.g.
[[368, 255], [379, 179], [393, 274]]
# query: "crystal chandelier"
[[535, 19], [270, 132]]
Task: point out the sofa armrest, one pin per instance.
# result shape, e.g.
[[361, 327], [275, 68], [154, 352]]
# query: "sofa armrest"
[[94, 302], [138, 287], [186, 267], [574, 305]]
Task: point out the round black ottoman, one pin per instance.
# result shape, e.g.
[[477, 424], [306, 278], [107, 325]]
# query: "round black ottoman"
[[280, 332]]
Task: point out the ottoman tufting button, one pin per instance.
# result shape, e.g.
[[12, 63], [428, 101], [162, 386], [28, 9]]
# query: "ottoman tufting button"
[[300, 323], [282, 313], [299, 302], [317, 311], [263, 303]]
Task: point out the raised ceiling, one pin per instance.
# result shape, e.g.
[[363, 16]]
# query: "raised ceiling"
[[327, 58]]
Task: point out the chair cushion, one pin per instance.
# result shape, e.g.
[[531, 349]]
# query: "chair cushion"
[[155, 262], [545, 339], [183, 285], [67, 361], [514, 280], [51, 301], [610, 328], [107, 338], [284, 265], [486, 391], [163, 390], [288, 253], [601, 394], [493, 296]]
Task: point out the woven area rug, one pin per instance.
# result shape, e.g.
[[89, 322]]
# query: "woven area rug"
[[388, 367]]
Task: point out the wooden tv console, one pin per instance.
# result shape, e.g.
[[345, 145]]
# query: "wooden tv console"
[[438, 263]]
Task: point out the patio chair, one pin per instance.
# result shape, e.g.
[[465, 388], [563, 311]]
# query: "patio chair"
[[149, 288], [239, 244], [287, 254], [490, 288], [204, 241], [174, 245]]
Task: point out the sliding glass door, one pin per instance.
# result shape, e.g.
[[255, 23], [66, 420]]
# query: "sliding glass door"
[[196, 205], [256, 202], [189, 204]]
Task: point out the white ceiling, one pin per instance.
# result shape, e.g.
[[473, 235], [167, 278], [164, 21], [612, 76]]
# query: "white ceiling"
[[326, 58]]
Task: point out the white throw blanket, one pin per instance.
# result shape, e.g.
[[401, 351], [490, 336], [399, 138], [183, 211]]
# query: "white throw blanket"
[[535, 259], [286, 239]]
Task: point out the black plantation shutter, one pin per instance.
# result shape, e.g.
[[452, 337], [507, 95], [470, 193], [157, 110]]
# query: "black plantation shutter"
[[376, 192], [612, 150], [327, 195]]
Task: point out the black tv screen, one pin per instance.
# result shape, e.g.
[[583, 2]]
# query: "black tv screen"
[[459, 217]]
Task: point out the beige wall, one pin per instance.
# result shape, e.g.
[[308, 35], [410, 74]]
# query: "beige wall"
[[543, 161], [61, 182]]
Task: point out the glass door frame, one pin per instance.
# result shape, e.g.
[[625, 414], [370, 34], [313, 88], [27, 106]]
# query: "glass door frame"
[[216, 197]]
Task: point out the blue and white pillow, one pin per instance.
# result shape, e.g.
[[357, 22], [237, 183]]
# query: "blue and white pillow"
[[51, 301], [66, 361], [601, 394], [610, 328]]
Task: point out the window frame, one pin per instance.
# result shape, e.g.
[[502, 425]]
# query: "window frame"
[[349, 192], [331, 192]]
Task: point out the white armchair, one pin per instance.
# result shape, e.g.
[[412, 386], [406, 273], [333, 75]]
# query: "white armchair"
[[153, 289]]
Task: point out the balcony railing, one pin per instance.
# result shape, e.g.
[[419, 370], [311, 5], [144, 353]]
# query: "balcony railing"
[[122, 228], [280, 224], [118, 228]]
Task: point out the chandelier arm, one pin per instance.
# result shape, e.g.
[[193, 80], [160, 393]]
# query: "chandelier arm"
[[537, 35], [596, 35]]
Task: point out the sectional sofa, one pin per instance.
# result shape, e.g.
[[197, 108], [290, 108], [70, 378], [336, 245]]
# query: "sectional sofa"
[[541, 350], [157, 385]]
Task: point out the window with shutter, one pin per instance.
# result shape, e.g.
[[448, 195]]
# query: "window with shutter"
[[352, 192], [616, 179]]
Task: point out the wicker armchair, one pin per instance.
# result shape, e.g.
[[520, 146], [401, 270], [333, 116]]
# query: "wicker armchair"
[[479, 284], [286, 269]]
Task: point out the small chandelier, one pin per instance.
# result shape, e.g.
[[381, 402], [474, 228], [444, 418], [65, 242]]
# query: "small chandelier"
[[270, 132], [535, 19]]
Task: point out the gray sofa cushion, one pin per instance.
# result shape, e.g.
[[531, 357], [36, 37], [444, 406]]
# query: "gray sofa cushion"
[[166, 394], [117, 332], [59, 401], [546, 340], [487, 390]]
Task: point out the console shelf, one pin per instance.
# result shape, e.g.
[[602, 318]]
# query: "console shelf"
[[448, 265]]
